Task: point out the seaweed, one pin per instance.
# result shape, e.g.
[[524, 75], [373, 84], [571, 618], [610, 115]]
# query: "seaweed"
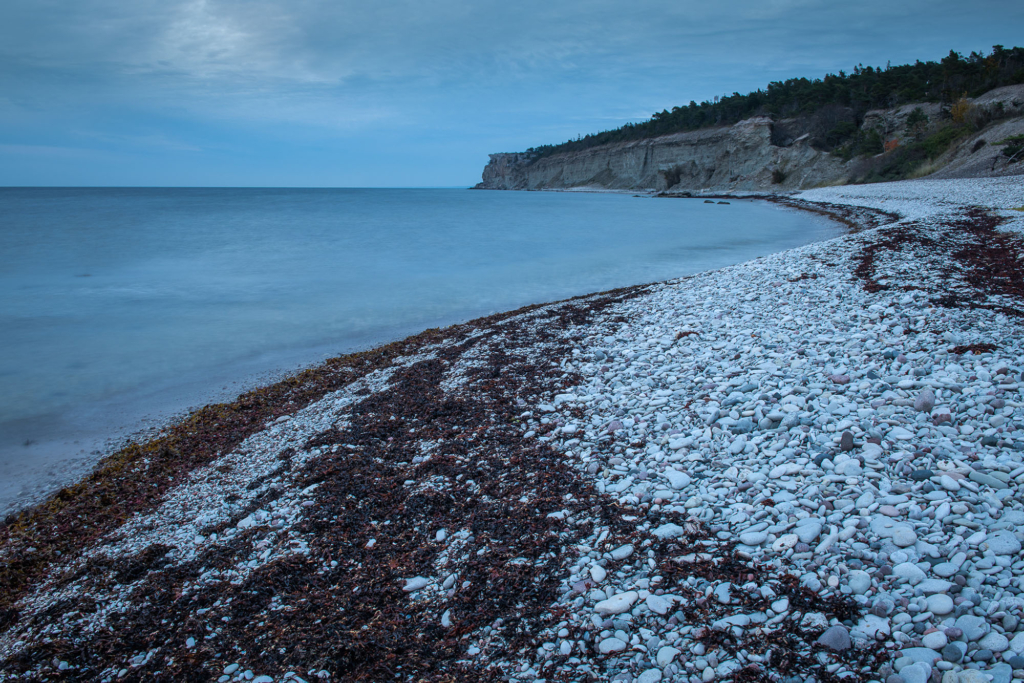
[[341, 608]]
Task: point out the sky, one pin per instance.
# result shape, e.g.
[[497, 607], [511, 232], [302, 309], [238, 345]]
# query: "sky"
[[397, 93]]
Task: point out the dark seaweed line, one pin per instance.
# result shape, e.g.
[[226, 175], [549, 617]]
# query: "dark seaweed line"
[[393, 627], [982, 261], [135, 479]]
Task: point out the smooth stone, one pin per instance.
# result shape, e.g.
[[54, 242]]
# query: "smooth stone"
[[904, 537], [872, 627], [859, 581], [949, 483], [916, 673], [610, 645], [676, 479], [909, 571], [929, 586], [939, 604], [836, 638], [987, 480], [920, 654], [753, 537], [925, 401], [668, 531], [598, 573], [846, 442], [1002, 542], [785, 469], [971, 676], [808, 532], [622, 552], [658, 604], [882, 527], [416, 583], [996, 642], [900, 434], [649, 676], [974, 628], [665, 656], [849, 468], [785, 542], [1001, 672], [951, 653], [935, 640], [617, 604]]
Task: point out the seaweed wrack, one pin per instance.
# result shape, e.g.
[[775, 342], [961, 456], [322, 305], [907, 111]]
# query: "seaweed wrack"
[[726, 477], [290, 547], [300, 559]]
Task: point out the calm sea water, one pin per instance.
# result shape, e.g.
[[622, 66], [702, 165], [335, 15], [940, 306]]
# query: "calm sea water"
[[120, 307]]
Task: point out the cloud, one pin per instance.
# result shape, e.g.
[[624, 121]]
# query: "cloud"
[[192, 75]]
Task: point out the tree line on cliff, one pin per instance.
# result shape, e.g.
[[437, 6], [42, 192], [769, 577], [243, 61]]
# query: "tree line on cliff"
[[836, 103]]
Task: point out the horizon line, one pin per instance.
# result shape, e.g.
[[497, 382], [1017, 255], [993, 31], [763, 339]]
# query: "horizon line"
[[235, 187]]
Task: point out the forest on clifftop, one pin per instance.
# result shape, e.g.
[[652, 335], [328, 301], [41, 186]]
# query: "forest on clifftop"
[[838, 101]]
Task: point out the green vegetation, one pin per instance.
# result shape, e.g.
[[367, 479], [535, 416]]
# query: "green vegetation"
[[833, 107], [906, 160]]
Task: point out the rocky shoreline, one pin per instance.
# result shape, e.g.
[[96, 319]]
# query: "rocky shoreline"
[[804, 467]]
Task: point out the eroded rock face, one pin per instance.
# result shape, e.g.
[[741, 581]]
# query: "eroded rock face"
[[757, 154], [738, 157]]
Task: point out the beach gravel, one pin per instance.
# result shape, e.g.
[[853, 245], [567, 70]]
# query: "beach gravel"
[[804, 467]]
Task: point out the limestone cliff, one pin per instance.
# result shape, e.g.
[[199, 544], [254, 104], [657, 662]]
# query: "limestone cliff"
[[739, 157], [757, 154]]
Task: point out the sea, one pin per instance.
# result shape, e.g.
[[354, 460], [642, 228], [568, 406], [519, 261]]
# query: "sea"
[[123, 308]]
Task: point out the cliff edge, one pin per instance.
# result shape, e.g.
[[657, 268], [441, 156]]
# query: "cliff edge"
[[762, 154]]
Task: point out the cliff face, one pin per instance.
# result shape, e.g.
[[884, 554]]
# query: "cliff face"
[[739, 157], [757, 155]]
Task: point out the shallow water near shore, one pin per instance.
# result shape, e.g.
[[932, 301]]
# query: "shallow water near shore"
[[122, 307]]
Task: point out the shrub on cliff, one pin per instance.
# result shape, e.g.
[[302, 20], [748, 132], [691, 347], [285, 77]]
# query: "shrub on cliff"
[[917, 123], [865, 88]]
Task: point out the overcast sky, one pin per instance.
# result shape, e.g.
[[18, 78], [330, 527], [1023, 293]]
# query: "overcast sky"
[[396, 93]]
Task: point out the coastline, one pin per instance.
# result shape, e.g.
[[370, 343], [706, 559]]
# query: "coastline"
[[257, 493]]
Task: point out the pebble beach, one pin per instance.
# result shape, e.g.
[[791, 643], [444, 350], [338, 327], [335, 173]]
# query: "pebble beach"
[[807, 467]]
